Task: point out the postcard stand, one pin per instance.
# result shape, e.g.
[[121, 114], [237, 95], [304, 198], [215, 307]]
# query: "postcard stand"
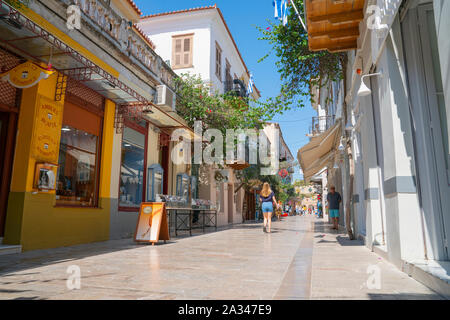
[[152, 224]]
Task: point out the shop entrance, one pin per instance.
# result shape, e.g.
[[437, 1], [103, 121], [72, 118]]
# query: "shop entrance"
[[230, 203], [9, 109], [7, 140]]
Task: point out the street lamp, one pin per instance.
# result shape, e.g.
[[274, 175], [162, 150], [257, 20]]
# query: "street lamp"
[[364, 90]]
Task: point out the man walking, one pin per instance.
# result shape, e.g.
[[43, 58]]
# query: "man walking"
[[334, 200]]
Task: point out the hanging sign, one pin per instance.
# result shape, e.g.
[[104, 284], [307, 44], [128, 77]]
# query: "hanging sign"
[[26, 75], [152, 223], [47, 130]]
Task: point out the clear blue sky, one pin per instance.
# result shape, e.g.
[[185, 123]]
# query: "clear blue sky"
[[242, 18]]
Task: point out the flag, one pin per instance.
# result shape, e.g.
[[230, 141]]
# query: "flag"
[[284, 12], [277, 6], [281, 10], [250, 85]]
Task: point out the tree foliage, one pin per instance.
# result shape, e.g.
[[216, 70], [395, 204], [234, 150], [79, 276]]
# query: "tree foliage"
[[299, 68], [219, 111]]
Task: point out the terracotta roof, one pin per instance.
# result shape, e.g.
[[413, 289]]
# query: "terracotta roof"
[[178, 11], [143, 35], [135, 7], [223, 20]]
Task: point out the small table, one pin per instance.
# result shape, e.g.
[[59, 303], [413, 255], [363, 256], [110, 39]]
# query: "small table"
[[184, 219]]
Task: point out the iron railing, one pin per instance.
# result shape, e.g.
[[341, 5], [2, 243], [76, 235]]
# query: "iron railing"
[[236, 87], [321, 124]]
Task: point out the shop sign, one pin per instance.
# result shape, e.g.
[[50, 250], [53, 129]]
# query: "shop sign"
[[47, 130], [25, 75], [152, 224]]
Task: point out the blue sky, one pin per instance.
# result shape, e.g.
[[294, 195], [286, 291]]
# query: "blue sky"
[[242, 18]]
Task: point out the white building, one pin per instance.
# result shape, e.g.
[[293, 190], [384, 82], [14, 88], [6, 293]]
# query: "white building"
[[397, 127], [198, 41], [282, 154]]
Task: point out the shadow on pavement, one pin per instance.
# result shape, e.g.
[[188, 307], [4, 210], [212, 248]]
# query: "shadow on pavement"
[[324, 229], [402, 296]]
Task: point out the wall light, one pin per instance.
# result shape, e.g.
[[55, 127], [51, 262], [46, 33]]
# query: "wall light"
[[364, 90]]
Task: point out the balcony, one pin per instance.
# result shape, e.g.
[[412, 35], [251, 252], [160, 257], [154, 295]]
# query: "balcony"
[[125, 37], [235, 87], [320, 125]]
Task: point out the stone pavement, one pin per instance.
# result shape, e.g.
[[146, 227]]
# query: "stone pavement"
[[301, 259]]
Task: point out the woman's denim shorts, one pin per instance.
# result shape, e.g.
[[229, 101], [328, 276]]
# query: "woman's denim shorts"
[[267, 207]]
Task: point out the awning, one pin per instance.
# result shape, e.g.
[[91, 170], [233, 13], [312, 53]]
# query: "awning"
[[333, 25], [316, 155]]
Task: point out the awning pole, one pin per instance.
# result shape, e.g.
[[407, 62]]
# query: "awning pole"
[[298, 15]]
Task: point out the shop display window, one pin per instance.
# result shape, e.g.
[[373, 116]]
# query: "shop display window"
[[194, 187], [183, 185], [155, 182], [132, 174], [77, 173]]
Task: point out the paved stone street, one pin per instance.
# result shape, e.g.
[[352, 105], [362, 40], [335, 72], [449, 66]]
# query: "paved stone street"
[[301, 259]]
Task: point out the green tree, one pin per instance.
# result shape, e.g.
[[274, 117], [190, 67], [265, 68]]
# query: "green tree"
[[299, 68]]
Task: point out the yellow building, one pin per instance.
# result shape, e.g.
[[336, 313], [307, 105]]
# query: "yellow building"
[[75, 106]]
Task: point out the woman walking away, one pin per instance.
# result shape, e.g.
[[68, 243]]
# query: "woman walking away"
[[267, 198]]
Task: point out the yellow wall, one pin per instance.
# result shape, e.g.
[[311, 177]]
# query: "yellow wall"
[[32, 218]]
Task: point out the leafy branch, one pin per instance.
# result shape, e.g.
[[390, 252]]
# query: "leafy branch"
[[299, 68]]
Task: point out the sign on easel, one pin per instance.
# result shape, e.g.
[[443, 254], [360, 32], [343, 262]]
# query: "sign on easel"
[[152, 224]]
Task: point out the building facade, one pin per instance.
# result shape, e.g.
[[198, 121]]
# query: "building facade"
[[79, 122], [198, 42], [395, 116]]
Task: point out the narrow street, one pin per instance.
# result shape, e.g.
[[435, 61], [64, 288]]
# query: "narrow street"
[[301, 259]]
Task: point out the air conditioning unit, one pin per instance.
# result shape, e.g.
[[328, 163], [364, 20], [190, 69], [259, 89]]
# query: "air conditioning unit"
[[165, 97]]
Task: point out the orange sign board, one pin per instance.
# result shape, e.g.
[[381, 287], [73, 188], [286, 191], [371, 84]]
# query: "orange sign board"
[[47, 131], [25, 75], [152, 223]]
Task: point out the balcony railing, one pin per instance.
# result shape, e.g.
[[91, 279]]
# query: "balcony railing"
[[236, 87], [126, 37], [321, 124]]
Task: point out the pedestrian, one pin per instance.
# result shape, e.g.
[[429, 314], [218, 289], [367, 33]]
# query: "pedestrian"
[[319, 208], [334, 200], [279, 210], [268, 202]]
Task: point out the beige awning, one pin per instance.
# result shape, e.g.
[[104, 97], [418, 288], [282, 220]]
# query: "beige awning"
[[316, 155]]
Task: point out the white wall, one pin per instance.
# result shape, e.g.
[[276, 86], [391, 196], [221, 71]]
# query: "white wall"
[[208, 28], [161, 30]]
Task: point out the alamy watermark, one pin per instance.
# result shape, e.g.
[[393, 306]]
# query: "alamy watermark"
[[374, 20], [237, 146], [373, 281], [73, 17], [73, 282]]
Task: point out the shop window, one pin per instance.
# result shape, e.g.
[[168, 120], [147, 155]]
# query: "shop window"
[[132, 174], [78, 172]]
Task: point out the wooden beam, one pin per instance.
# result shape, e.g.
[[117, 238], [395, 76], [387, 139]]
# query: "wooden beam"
[[336, 34], [341, 17], [334, 47]]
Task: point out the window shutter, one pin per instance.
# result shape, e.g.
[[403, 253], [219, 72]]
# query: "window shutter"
[[182, 51], [187, 52], [177, 52]]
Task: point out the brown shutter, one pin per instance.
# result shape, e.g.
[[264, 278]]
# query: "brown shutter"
[[187, 52], [182, 51], [177, 52]]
